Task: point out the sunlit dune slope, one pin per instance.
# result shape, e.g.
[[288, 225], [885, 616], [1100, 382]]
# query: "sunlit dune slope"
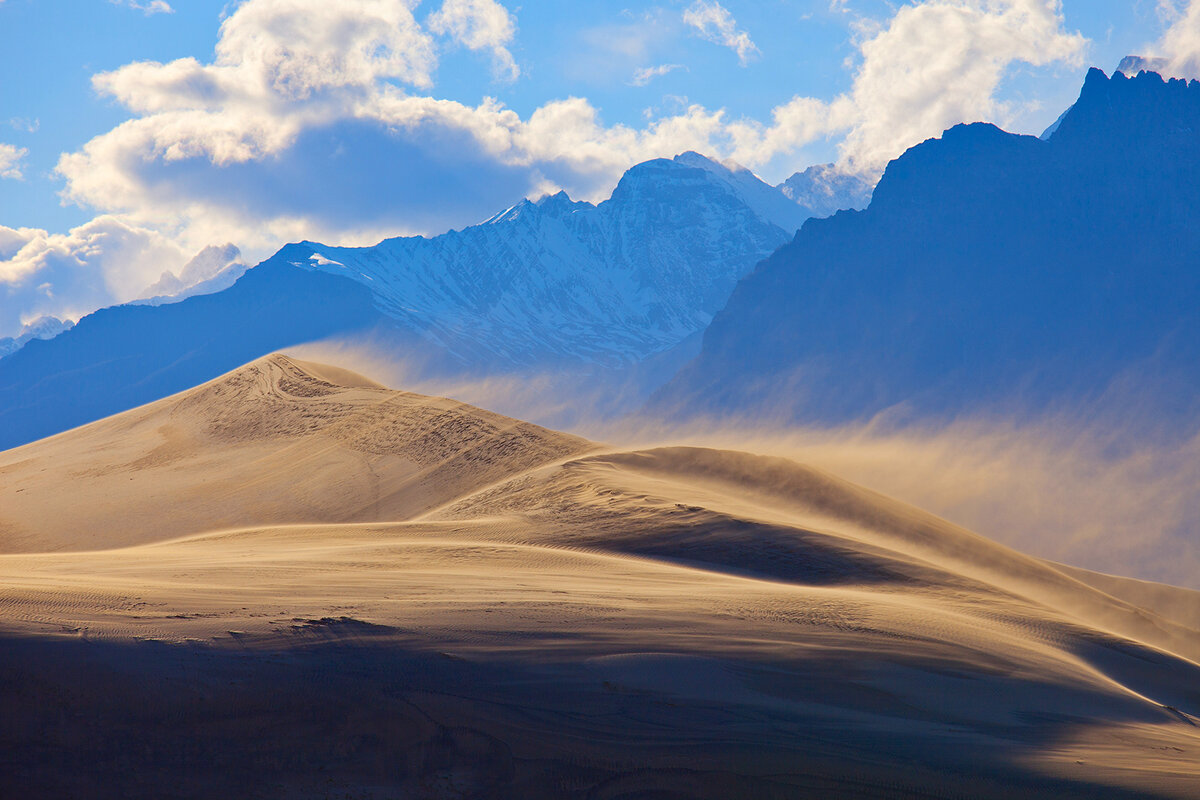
[[601, 624], [277, 441]]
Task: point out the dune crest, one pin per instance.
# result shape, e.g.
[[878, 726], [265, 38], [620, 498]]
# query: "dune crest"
[[276, 441], [541, 613]]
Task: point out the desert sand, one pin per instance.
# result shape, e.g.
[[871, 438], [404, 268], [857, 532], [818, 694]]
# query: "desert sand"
[[292, 581]]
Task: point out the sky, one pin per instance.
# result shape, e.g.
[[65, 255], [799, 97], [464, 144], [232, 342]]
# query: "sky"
[[135, 133]]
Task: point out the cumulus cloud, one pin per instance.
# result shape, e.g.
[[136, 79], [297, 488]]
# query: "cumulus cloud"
[[306, 123], [939, 63], [307, 129], [480, 25], [10, 161], [932, 65], [314, 120], [67, 275], [294, 49], [643, 76], [714, 22]]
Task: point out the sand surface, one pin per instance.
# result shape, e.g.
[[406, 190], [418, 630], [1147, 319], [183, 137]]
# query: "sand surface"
[[294, 582]]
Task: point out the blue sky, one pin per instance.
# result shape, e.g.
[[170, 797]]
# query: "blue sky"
[[135, 132]]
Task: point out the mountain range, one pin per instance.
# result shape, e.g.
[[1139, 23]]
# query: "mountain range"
[[559, 282], [991, 273], [548, 285]]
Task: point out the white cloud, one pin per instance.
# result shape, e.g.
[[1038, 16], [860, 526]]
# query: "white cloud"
[[931, 66], [714, 22], [1180, 44], [10, 161], [480, 25], [643, 76], [310, 123], [941, 62], [288, 94], [67, 275], [147, 7], [294, 49]]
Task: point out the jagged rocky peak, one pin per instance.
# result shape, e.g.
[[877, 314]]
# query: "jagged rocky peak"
[[1132, 96], [1145, 110], [559, 281], [560, 204], [991, 272]]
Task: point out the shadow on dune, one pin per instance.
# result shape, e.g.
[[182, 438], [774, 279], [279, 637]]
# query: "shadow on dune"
[[342, 717]]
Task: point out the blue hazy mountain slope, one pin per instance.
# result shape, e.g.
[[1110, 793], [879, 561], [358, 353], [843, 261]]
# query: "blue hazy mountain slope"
[[617, 291], [122, 357], [557, 283], [991, 272]]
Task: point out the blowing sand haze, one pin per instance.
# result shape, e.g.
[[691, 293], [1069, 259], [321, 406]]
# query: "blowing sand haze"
[[471, 606]]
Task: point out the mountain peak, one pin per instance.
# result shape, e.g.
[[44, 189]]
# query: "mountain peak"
[[560, 204], [44, 327], [823, 189], [691, 158], [511, 213], [1122, 111], [663, 177]]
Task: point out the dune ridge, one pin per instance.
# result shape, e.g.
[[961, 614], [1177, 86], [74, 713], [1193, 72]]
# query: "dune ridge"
[[277, 441], [550, 617]]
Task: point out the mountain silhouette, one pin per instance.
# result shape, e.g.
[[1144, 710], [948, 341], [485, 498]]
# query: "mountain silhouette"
[[992, 272]]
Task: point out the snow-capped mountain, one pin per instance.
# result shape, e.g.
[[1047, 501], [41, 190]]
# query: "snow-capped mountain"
[[214, 268], [562, 282], [617, 293], [823, 190], [40, 328]]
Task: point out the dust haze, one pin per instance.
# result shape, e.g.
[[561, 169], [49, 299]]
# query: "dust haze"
[[1070, 487]]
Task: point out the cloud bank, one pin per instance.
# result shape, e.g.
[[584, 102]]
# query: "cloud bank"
[[318, 120]]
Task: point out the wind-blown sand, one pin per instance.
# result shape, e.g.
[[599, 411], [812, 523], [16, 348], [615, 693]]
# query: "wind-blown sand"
[[294, 582]]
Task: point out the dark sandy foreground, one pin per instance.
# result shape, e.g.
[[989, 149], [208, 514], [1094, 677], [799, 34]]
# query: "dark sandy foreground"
[[352, 719], [294, 583]]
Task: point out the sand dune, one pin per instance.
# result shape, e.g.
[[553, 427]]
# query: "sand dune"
[[278, 441], [294, 582]]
